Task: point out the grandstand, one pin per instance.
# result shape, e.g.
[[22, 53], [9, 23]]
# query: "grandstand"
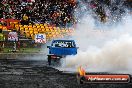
[[32, 17], [28, 32], [52, 18], [42, 14]]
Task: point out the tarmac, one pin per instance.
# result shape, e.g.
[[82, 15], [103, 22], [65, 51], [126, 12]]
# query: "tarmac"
[[37, 74]]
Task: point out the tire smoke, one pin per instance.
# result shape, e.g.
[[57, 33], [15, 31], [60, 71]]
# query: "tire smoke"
[[102, 47]]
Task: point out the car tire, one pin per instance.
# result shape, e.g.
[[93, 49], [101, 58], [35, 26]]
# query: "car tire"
[[49, 60]]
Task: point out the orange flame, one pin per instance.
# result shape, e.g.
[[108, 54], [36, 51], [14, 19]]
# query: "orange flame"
[[81, 71]]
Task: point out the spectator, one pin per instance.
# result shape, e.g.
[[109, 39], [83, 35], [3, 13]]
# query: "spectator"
[[58, 12]]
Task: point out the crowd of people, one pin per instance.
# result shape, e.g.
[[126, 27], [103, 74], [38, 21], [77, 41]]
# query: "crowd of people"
[[104, 10], [57, 12]]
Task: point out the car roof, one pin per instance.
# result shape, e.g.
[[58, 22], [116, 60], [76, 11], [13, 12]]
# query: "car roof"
[[63, 40]]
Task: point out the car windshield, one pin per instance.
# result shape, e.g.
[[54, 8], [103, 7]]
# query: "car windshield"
[[66, 44]]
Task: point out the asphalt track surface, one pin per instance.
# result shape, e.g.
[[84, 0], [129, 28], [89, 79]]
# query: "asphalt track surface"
[[36, 74]]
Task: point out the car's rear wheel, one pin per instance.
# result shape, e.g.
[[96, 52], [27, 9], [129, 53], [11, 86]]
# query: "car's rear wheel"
[[49, 60]]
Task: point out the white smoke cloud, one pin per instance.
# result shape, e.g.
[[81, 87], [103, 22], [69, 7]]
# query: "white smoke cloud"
[[114, 55], [102, 48]]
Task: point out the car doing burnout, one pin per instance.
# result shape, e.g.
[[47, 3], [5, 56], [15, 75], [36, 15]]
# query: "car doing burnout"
[[60, 49]]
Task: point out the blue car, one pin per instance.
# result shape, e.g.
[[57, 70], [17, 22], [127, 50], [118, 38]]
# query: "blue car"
[[60, 49]]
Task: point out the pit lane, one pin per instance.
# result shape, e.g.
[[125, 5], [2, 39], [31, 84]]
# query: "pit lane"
[[37, 74]]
